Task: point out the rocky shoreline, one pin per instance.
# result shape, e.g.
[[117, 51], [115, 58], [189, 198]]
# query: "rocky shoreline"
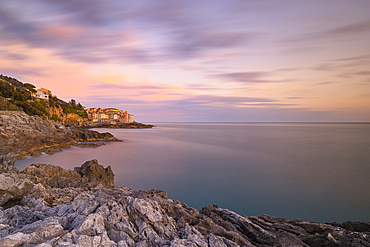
[[46, 205], [24, 135]]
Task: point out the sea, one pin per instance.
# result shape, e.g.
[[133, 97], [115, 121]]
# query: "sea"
[[317, 172]]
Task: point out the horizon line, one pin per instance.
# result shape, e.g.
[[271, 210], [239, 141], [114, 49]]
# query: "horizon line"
[[341, 122]]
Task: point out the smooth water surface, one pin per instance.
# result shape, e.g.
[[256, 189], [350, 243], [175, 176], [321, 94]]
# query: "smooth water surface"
[[313, 171]]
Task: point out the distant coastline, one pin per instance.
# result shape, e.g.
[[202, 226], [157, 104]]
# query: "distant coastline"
[[113, 124]]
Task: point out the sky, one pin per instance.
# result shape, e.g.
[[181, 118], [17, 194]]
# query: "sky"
[[196, 61]]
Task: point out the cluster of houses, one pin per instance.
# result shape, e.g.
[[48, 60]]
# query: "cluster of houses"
[[109, 115], [95, 114]]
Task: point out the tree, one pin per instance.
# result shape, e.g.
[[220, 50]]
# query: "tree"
[[72, 102], [21, 94], [54, 117], [30, 87], [6, 89]]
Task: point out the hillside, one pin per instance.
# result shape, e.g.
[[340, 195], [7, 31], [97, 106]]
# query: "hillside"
[[12, 81], [18, 96]]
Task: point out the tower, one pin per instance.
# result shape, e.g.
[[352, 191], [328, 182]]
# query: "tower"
[[126, 116]]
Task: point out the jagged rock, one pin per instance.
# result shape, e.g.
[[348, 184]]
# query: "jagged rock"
[[35, 233], [53, 176], [88, 175], [84, 135], [355, 226], [52, 184], [95, 174], [7, 163], [13, 187]]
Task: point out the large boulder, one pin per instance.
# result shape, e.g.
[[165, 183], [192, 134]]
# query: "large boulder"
[[53, 176], [90, 174], [95, 174]]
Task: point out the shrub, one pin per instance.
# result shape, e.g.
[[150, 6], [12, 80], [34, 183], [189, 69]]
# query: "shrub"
[[54, 117]]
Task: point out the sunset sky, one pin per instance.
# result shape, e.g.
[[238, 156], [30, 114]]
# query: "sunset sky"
[[191, 61]]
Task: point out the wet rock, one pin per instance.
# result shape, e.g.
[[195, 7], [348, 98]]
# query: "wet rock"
[[84, 135], [355, 226], [90, 144]]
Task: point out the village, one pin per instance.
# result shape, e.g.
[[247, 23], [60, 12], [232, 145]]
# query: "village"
[[108, 115], [94, 114]]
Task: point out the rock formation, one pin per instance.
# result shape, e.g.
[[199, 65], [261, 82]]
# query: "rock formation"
[[45, 205], [24, 135], [55, 110]]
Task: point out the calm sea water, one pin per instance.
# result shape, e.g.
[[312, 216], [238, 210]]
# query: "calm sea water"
[[312, 171]]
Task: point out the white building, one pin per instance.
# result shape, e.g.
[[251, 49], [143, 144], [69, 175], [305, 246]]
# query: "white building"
[[42, 93]]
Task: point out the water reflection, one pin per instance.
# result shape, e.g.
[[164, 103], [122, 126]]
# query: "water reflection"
[[317, 172]]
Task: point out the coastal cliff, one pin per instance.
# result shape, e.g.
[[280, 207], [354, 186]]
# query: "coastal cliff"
[[45, 205], [24, 135]]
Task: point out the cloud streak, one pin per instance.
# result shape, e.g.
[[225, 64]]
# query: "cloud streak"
[[353, 28], [194, 57]]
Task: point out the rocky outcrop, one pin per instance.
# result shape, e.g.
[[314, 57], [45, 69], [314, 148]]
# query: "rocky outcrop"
[[55, 110], [90, 174], [72, 118], [49, 182], [65, 118], [24, 135], [57, 207]]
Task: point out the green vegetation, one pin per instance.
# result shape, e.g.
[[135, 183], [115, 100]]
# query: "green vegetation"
[[6, 89], [32, 108], [16, 96], [12, 81], [30, 87], [72, 107], [20, 98], [54, 117], [6, 105]]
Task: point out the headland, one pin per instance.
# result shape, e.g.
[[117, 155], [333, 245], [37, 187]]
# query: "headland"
[[24, 135]]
